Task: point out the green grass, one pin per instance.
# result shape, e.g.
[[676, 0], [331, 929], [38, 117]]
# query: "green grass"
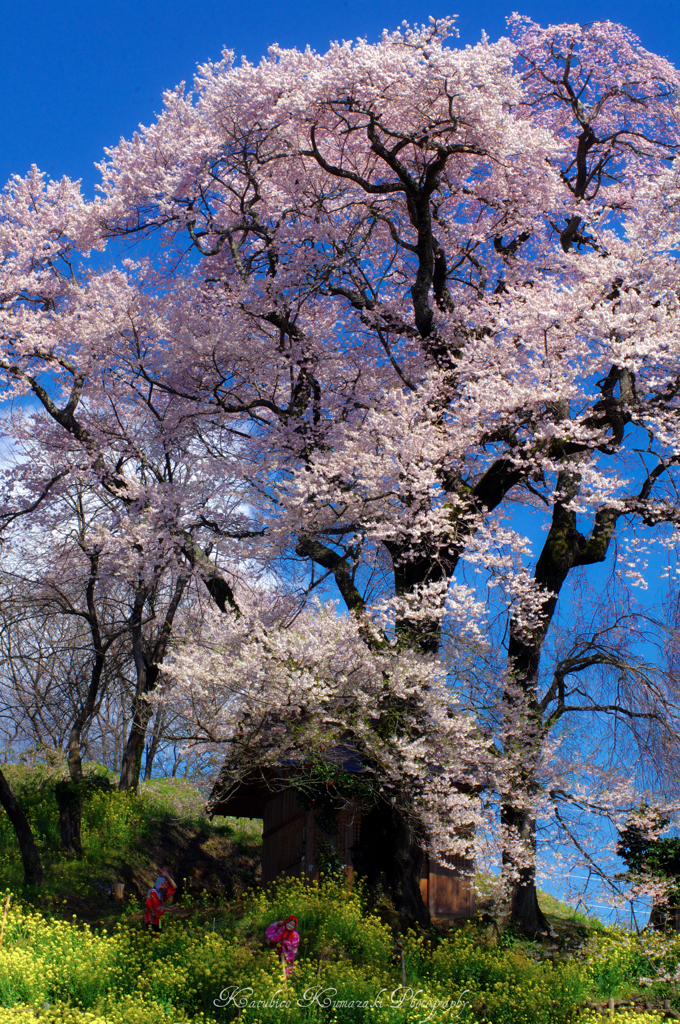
[[70, 954], [128, 838], [568, 926], [214, 966]]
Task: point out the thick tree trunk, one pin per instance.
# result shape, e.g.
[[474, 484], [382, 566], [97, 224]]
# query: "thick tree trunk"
[[70, 800], [33, 872], [524, 740], [69, 794], [564, 549], [525, 912], [526, 915], [390, 855], [664, 918], [152, 748], [131, 765]]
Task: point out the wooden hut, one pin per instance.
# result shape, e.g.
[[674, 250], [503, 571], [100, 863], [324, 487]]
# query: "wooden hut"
[[291, 838]]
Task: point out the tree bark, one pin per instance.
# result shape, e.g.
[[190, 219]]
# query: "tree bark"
[[390, 856], [69, 795], [564, 549], [147, 664], [526, 915], [70, 800], [558, 556], [152, 748], [33, 872], [131, 765]]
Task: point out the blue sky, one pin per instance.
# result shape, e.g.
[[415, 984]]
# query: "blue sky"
[[78, 75]]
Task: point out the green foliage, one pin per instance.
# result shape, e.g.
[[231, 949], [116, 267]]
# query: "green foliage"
[[503, 985], [329, 861], [118, 829], [616, 961], [176, 797], [625, 1017], [325, 787], [348, 970], [111, 822], [70, 793], [644, 852]]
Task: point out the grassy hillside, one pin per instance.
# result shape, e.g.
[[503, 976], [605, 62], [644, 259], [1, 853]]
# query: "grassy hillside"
[[128, 838], [70, 953], [215, 967]]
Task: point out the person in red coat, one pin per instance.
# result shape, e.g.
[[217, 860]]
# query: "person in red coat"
[[163, 889]]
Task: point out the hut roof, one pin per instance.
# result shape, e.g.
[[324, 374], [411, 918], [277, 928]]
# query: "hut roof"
[[245, 796]]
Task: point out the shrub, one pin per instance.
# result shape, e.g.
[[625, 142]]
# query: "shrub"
[[348, 969]]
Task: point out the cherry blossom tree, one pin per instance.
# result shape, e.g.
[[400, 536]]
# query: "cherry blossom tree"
[[397, 308], [120, 492], [270, 691]]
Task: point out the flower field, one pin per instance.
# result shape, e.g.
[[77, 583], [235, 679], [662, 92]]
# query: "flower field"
[[215, 968], [210, 964]]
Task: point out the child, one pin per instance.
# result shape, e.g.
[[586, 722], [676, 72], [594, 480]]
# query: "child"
[[283, 936], [163, 889]]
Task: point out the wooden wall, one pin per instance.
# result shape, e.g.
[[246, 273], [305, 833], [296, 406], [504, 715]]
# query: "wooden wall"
[[283, 832], [448, 889], [289, 847], [290, 836]]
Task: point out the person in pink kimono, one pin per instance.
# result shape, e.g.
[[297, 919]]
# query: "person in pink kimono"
[[283, 936]]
